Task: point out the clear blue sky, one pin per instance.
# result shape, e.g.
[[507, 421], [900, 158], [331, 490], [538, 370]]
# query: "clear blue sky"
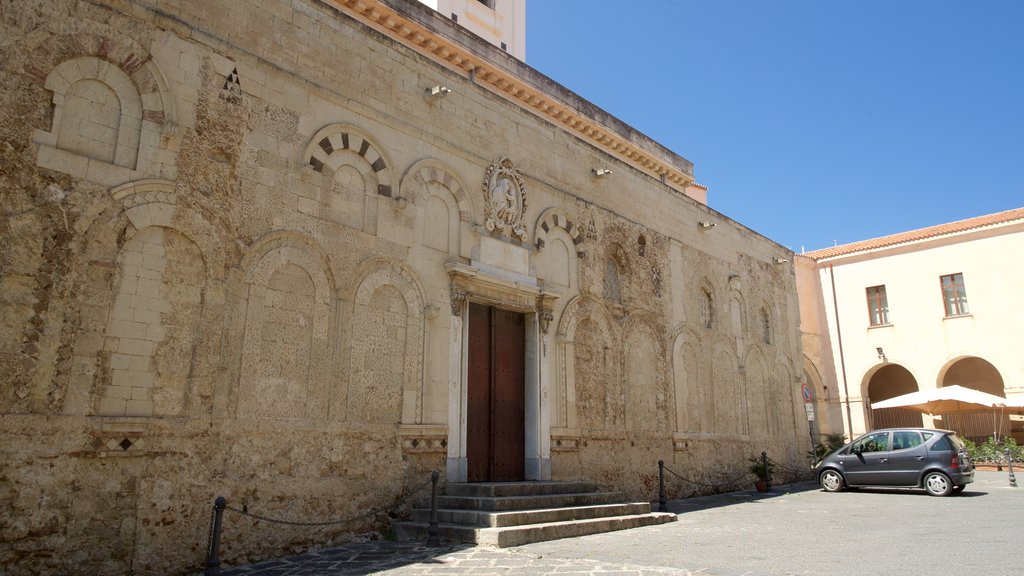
[[811, 121]]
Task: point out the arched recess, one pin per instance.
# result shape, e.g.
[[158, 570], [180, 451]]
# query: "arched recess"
[[111, 108], [97, 111], [386, 346], [737, 319], [978, 374], [441, 205], [888, 381], [153, 300], [588, 371], [758, 392], [686, 378], [782, 395], [356, 172], [616, 271], [286, 303], [558, 219], [645, 390], [812, 375], [558, 239], [729, 404]]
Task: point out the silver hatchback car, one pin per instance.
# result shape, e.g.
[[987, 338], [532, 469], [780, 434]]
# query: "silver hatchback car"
[[935, 460]]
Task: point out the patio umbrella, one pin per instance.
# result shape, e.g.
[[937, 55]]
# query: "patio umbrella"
[[946, 400]]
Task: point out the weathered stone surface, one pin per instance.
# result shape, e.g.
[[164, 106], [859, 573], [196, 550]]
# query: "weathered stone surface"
[[236, 248]]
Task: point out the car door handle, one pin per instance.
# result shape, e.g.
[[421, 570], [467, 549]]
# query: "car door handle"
[[883, 460], [919, 458]]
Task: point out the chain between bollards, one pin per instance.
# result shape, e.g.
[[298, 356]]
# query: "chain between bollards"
[[213, 558], [661, 486], [1009, 466], [433, 538]]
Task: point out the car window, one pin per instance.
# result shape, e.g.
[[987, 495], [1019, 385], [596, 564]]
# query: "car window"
[[905, 439], [942, 443], [877, 442], [957, 442], [928, 435]]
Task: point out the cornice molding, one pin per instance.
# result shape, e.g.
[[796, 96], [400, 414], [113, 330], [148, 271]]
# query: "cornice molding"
[[481, 71]]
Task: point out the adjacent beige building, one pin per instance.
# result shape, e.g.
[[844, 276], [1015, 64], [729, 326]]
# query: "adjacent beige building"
[[500, 22], [915, 311], [297, 253]]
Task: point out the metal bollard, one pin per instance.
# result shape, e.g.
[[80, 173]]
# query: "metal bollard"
[[432, 532], [213, 559], [767, 476], [1009, 466], [661, 486]]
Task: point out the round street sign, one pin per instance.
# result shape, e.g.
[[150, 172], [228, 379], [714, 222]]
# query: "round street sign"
[[806, 391]]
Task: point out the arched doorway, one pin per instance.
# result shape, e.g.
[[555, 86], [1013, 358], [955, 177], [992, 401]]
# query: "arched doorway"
[[979, 374], [890, 381]]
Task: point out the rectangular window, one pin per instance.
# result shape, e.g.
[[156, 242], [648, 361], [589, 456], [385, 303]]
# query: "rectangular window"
[[954, 295], [878, 306]]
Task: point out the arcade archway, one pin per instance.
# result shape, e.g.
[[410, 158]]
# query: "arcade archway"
[[890, 381], [979, 374]]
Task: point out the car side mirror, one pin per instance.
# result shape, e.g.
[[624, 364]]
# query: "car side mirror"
[[858, 450]]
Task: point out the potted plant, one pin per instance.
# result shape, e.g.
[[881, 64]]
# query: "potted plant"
[[762, 469]]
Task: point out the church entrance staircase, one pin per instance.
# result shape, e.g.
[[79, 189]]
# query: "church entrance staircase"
[[504, 514]]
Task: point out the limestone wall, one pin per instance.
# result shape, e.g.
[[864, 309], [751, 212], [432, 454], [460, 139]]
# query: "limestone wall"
[[223, 272]]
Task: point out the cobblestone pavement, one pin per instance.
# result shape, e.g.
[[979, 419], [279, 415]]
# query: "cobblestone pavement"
[[794, 530], [412, 559]]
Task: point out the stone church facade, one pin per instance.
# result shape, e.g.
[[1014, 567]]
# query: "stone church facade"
[[301, 253]]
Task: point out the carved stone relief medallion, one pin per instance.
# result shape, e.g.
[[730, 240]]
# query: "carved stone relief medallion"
[[505, 200]]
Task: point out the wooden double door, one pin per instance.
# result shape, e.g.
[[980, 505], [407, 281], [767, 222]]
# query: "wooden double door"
[[496, 434]]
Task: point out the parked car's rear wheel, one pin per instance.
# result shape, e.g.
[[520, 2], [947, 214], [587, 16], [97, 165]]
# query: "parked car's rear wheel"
[[959, 489], [938, 484], [831, 481]]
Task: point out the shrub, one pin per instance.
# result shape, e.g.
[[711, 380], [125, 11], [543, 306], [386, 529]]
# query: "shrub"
[[995, 452]]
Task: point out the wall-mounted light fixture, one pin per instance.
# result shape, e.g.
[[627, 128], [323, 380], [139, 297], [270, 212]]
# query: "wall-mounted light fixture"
[[704, 224], [599, 172], [779, 260], [881, 353], [437, 92]]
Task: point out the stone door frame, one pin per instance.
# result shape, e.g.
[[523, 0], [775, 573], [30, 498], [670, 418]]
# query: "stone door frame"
[[517, 294]]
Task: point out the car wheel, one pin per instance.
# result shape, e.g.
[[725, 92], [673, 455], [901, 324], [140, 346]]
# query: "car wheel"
[[938, 484], [959, 489], [831, 481]]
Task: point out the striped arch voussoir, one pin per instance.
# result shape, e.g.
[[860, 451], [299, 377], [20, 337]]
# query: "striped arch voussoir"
[[331, 141], [556, 218]]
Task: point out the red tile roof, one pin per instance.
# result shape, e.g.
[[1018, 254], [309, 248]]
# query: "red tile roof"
[[919, 234]]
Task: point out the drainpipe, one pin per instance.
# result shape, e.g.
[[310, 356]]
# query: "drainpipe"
[[842, 357]]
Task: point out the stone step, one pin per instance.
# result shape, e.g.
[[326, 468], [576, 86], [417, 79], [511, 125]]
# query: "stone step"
[[519, 535], [500, 489], [505, 537], [506, 503], [483, 519], [418, 532]]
